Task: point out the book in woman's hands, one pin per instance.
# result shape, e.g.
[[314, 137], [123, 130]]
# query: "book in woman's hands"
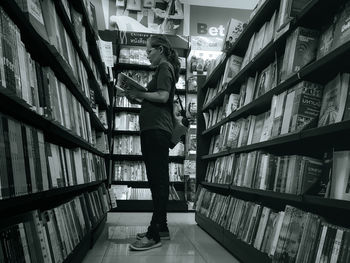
[[125, 82]]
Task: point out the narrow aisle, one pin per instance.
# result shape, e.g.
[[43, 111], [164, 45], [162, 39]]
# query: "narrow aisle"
[[188, 244]]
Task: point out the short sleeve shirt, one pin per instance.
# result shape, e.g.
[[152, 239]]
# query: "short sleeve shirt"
[[159, 115]]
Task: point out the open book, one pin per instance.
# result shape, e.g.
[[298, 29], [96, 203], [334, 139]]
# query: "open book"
[[125, 82]]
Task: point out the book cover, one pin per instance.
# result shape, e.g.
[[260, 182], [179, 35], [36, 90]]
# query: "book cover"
[[278, 116], [309, 174], [334, 100], [248, 53], [301, 48], [233, 30], [232, 68], [258, 127], [341, 27], [340, 184], [326, 41], [306, 106], [264, 81]]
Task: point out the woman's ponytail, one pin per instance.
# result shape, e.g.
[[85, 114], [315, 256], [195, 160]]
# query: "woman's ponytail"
[[173, 59]]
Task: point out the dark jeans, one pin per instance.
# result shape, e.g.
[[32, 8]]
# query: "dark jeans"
[[155, 153]]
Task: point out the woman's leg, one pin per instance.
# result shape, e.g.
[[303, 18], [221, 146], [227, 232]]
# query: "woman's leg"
[[155, 151]]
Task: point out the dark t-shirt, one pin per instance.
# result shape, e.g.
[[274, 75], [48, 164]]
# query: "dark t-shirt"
[[158, 115]]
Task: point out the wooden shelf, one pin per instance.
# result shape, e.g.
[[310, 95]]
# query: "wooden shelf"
[[181, 91], [77, 46], [80, 251], [126, 157], [54, 131], [144, 184], [216, 185], [120, 132], [327, 202], [319, 71], [311, 142], [91, 38], [259, 105], [147, 206], [285, 140], [46, 54], [128, 66], [243, 251], [127, 109], [25, 203], [334, 135], [267, 193]]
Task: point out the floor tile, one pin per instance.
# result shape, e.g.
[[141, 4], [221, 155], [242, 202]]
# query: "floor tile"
[[152, 259], [89, 258], [189, 243]]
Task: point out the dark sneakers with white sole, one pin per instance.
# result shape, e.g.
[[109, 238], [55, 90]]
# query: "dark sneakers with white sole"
[[163, 235], [145, 243]]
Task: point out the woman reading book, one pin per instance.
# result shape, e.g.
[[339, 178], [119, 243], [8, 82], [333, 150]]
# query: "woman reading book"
[[156, 126]]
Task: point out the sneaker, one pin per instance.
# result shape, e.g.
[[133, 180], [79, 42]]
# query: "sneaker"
[[145, 244], [164, 235]]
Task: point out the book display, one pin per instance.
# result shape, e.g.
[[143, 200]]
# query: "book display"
[[132, 69], [272, 136], [54, 147]]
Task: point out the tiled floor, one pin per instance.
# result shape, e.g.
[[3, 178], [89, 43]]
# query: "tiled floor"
[[188, 244]]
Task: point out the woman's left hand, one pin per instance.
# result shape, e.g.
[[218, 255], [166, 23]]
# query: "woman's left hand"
[[133, 94]]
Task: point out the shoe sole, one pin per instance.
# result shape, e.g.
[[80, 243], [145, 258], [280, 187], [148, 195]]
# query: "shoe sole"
[[159, 244], [161, 238]]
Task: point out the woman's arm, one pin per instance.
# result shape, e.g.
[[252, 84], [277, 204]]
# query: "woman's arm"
[[160, 96]]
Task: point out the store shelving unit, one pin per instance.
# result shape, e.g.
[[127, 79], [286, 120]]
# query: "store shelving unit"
[[310, 142], [127, 39], [15, 209]]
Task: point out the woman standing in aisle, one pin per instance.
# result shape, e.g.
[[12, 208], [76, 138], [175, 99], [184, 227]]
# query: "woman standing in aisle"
[[156, 125]]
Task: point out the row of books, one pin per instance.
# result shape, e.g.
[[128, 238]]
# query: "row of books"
[[121, 101], [51, 235], [102, 116], [131, 145], [190, 168], [51, 28], [232, 68], [133, 55], [137, 55], [125, 121], [127, 144], [30, 164], [292, 235], [302, 47], [123, 192], [261, 39], [306, 105], [178, 150], [136, 171], [214, 116], [45, 94], [19, 52], [100, 141], [292, 174], [214, 63], [200, 60]]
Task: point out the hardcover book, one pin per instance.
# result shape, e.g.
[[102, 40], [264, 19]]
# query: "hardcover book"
[[301, 48], [334, 100]]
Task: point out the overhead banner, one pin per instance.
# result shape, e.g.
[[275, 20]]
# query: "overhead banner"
[[210, 21]]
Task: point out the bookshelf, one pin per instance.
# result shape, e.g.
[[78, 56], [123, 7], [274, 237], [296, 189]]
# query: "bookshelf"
[[312, 142], [128, 42], [51, 160]]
